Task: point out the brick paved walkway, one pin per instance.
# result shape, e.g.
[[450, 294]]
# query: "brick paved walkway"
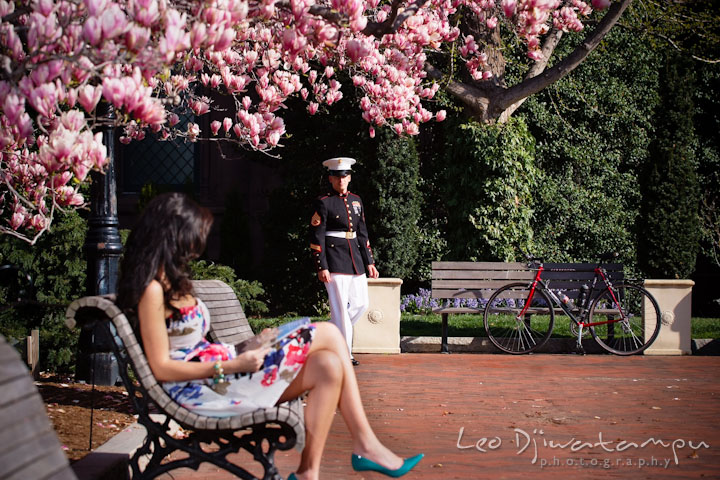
[[609, 408]]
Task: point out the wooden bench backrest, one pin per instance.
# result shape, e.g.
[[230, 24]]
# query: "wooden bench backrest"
[[30, 446], [481, 279], [228, 321]]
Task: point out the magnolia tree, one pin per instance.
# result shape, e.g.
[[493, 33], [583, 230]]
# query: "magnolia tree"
[[62, 61]]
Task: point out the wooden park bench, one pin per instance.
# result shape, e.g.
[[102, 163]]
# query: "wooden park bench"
[[209, 439], [30, 446], [455, 281]]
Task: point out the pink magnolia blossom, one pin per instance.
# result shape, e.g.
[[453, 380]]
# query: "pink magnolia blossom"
[[113, 22], [146, 58], [89, 96], [38, 222], [173, 119], [17, 220], [44, 99], [13, 106], [193, 131], [113, 89], [66, 196], [96, 7], [61, 179], [92, 31], [509, 7], [600, 4], [199, 107]]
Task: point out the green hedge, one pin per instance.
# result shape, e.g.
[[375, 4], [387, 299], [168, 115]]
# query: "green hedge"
[[56, 264]]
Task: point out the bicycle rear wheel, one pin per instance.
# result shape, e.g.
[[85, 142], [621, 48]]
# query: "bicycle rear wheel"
[[638, 319], [510, 333]]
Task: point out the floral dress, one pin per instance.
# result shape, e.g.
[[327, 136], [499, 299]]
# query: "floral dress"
[[243, 392]]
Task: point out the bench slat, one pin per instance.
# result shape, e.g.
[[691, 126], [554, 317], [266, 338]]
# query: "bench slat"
[[30, 446], [479, 266], [457, 310], [610, 267], [38, 457]]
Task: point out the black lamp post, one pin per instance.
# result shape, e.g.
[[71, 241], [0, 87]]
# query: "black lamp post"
[[103, 249], [102, 244]]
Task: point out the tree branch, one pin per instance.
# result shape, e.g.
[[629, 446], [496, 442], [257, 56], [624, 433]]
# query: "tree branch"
[[549, 45], [530, 86], [374, 29], [394, 21], [679, 49], [475, 98]]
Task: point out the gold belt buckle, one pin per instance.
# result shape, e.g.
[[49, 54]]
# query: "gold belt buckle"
[[349, 235]]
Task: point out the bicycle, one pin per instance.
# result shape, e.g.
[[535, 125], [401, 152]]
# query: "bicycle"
[[519, 317]]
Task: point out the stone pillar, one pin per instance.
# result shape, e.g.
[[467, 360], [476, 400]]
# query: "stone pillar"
[[378, 331], [674, 299]]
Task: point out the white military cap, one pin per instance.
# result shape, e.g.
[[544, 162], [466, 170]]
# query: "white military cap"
[[339, 166]]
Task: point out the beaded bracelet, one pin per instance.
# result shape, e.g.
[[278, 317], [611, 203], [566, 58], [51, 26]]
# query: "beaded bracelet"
[[219, 376]]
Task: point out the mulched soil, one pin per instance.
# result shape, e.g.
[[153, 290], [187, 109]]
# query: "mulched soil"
[[69, 409]]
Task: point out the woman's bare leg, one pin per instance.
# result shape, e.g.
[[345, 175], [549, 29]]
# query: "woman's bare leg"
[[328, 338], [322, 377]]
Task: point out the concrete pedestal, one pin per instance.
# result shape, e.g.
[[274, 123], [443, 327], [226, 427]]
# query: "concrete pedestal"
[[378, 331], [674, 298]]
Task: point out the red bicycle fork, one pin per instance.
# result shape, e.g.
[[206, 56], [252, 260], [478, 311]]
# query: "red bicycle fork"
[[532, 292]]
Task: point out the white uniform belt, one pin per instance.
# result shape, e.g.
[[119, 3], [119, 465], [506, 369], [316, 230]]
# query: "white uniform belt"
[[347, 235]]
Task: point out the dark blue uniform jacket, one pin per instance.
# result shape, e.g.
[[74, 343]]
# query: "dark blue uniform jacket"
[[340, 213]]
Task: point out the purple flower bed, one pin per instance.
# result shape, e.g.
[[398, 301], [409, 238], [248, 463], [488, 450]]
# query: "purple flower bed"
[[423, 303]]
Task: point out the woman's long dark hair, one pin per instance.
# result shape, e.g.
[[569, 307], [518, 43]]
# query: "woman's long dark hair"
[[170, 232]]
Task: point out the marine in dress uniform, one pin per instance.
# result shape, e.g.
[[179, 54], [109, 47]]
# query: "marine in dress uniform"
[[340, 246]]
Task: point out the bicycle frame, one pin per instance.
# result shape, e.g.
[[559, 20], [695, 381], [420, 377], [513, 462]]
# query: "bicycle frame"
[[544, 285]]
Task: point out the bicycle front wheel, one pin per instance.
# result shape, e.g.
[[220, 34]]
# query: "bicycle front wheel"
[[512, 330], [631, 317]]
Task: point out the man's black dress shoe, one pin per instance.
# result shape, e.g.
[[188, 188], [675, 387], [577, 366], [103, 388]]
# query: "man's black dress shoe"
[[354, 362]]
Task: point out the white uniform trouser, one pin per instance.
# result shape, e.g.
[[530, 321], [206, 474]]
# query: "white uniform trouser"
[[348, 295]]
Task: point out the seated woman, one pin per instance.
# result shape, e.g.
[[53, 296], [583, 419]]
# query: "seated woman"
[[211, 379]]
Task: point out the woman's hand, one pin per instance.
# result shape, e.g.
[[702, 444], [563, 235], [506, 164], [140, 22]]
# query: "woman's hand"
[[248, 361]]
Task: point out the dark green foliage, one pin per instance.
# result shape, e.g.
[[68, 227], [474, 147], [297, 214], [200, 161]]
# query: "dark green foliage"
[[246, 291], [489, 174], [707, 126], [57, 266], [392, 204], [669, 225], [592, 130]]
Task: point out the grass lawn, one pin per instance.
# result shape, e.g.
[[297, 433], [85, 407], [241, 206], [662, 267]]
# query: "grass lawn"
[[472, 325]]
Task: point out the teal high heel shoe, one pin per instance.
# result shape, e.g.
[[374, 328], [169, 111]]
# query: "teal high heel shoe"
[[360, 464]]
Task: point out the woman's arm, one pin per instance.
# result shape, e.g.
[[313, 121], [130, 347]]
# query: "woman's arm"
[[151, 314]]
